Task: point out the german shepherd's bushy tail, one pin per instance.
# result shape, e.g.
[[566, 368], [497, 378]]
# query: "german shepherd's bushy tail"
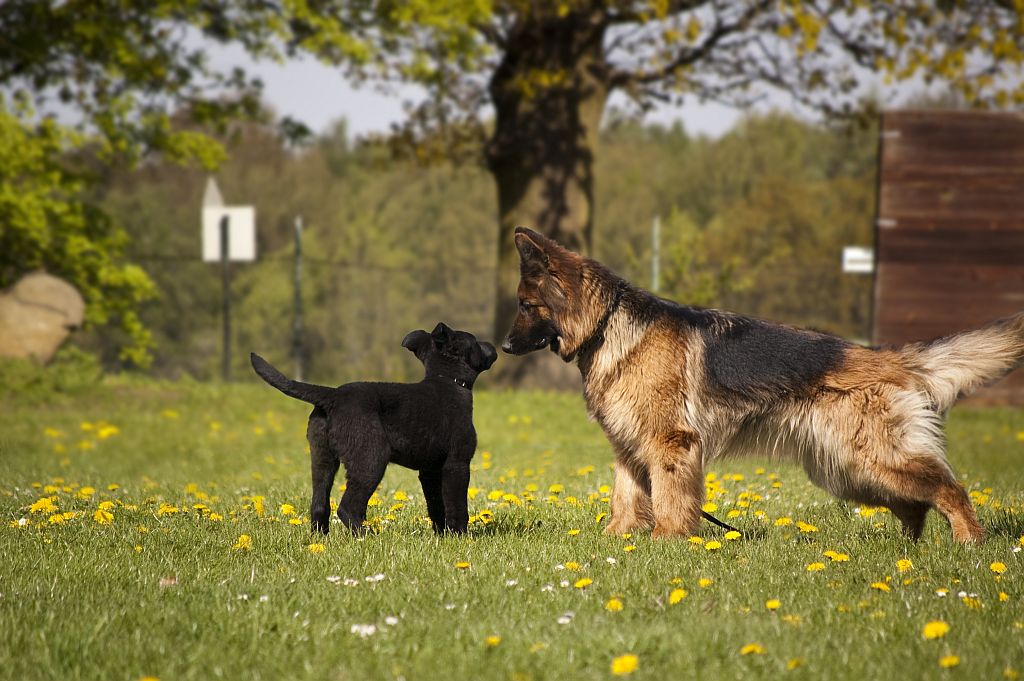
[[956, 365], [319, 395]]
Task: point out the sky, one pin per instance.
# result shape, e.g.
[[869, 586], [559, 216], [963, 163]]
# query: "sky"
[[318, 95]]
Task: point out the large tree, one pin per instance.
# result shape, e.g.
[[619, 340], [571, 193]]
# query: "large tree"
[[546, 70]]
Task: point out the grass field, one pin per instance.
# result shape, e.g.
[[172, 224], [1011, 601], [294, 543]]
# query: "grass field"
[[161, 530]]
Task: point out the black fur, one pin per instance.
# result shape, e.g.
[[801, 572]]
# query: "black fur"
[[746, 357], [755, 359], [425, 426]]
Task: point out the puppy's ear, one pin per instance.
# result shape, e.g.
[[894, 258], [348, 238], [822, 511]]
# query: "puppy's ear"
[[488, 354], [416, 341], [532, 247], [441, 333]]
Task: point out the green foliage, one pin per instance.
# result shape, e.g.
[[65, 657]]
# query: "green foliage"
[[754, 222], [71, 372], [46, 223]]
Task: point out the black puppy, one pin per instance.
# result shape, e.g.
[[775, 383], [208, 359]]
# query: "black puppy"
[[425, 426]]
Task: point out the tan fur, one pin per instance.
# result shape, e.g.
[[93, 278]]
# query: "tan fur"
[[867, 430]]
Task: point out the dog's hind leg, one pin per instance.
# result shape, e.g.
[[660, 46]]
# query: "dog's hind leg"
[[430, 480], [912, 515], [324, 463], [631, 497], [366, 452], [920, 482], [677, 484]]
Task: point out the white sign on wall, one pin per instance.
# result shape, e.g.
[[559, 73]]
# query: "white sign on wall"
[[241, 233], [858, 260]]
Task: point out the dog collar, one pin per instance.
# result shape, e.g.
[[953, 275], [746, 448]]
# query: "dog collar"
[[457, 381], [598, 335]]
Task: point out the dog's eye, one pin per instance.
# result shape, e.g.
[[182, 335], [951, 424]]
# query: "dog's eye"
[[525, 306]]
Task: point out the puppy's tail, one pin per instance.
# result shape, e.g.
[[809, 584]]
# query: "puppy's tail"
[[307, 392], [956, 365]]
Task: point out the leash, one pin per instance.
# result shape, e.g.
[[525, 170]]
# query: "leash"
[[716, 521]]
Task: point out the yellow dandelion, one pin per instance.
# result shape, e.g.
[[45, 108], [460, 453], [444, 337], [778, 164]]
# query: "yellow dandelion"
[[215, 517], [696, 540], [1003, 596], [572, 565], [997, 568], [881, 586], [244, 543], [86, 492], [949, 661], [704, 582], [583, 582], [806, 527], [782, 522], [676, 595], [287, 509], [904, 565], [44, 505], [773, 604], [573, 532], [613, 605], [291, 521], [793, 663], [732, 535], [629, 549], [836, 557], [492, 641], [600, 516], [103, 517], [462, 565], [556, 488], [709, 507], [971, 602], [625, 664], [713, 545], [752, 649], [815, 567], [316, 548], [935, 629]]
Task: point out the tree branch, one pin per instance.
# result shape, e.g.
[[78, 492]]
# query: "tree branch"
[[625, 78]]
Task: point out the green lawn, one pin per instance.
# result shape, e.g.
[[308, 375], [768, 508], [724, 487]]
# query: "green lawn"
[[157, 589]]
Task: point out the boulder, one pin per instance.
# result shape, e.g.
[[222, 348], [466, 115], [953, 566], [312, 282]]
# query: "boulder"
[[36, 315]]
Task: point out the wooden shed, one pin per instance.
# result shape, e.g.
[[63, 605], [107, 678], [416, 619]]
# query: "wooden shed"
[[949, 239]]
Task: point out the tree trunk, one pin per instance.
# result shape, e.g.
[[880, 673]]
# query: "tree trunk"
[[549, 93]]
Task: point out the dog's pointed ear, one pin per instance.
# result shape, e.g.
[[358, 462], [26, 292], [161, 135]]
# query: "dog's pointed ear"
[[416, 341], [441, 333], [532, 246]]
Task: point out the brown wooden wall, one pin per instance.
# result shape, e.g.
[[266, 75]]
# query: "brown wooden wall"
[[950, 233]]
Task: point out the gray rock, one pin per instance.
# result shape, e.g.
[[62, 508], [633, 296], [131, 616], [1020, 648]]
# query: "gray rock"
[[36, 316]]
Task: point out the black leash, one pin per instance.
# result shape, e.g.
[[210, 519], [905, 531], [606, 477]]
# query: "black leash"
[[716, 521]]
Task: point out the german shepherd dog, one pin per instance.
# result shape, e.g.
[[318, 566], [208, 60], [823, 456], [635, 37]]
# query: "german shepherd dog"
[[425, 426], [674, 387]]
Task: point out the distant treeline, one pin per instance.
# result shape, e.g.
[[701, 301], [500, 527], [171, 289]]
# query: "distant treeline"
[[754, 221]]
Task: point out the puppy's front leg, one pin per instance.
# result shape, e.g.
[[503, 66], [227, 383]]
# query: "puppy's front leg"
[[454, 488], [430, 480]]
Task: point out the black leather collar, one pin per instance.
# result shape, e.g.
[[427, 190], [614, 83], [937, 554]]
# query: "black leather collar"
[[456, 381], [597, 337]]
